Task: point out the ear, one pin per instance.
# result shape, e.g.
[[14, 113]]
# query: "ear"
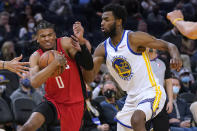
[[36, 38], [119, 22]]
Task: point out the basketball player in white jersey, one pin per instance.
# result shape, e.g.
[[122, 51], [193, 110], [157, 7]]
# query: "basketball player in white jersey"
[[124, 54]]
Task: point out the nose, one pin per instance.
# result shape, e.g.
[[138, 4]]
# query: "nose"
[[102, 22], [46, 38]]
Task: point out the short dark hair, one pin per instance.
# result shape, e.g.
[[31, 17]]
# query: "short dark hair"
[[43, 24], [118, 11]]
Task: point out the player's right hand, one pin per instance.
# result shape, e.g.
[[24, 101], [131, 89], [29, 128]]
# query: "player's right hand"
[[60, 60]]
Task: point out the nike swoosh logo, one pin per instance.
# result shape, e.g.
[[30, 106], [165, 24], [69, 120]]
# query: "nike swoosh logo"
[[122, 46]]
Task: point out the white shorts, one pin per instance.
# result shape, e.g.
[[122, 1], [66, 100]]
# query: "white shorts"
[[146, 102]]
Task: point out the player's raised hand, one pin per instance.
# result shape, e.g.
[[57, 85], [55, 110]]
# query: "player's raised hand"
[[78, 32], [174, 15], [17, 67]]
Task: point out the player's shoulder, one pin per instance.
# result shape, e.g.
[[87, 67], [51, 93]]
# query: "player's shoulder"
[[34, 57], [137, 34], [35, 54], [101, 46], [65, 40], [100, 50]]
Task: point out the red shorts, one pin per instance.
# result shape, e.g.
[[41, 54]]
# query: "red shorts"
[[71, 116]]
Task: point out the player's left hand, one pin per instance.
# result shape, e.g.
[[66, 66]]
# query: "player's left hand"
[[174, 15], [78, 32], [169, 107], [176, 63], [75, 43]]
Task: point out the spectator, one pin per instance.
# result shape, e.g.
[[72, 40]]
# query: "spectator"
[[147, 5], [8, 51], [61, 8], [110, 106], [156, 21], [173, 36], [97, 91], [187, 81], [181, 116], [27, 32], [6, 31], [93, 117], [26, 91]]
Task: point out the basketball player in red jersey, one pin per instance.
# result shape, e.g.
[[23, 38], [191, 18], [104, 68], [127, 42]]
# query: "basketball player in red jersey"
[[64, 95]]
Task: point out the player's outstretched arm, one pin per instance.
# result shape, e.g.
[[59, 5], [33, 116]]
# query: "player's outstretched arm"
[[187, 28], [141, 39], [15, 66]]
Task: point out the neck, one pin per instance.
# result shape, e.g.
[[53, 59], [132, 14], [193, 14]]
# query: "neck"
[[174, 96], [117, 37]]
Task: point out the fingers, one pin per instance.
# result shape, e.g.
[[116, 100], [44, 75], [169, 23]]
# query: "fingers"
[[74, 38], [176, 64], [60, 59], [76, 25], [20, 72], [18, 58], [25, 68], [24, 63]]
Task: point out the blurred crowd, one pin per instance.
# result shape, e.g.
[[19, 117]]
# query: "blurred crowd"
[[18, 19]]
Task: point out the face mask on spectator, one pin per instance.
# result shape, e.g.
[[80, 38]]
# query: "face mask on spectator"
[[176, 89], [110, 93], [185, 79], [31, 25]]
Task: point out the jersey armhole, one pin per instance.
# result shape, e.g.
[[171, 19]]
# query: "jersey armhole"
[[128, 44], [105, 46]]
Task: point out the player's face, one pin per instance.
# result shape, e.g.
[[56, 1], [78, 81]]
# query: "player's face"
[[46, 38], [108, 24]]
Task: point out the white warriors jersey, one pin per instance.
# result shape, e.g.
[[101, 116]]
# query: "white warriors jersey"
[[131, 70]]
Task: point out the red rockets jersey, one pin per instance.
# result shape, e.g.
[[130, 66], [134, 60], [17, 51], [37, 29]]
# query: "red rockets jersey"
[[65, 88]]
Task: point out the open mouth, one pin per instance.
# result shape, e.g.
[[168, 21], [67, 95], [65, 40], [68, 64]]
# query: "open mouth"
[[102, 29]]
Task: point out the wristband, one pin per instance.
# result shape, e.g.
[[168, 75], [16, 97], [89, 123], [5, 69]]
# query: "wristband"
[[175, 20], [3, 65]]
